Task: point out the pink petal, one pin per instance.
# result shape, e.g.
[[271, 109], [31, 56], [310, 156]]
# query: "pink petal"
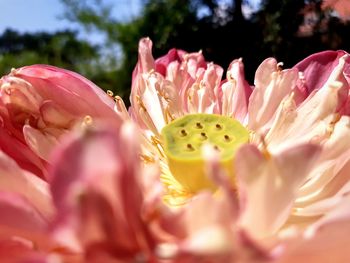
[[317, 68], [96, 189], [43, 76], [289, 126], [16, 180], [52, 114], [40, 143], [20, 218], [162, 63], [236, 92], [271, 87], [22, 154], [145, 62], [268, 185]]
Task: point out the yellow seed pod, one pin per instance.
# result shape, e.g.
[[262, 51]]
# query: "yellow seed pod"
[[183, 140]]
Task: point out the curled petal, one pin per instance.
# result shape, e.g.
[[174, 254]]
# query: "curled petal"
[[271, 86], [317, 68], [72, 84], [40, 103], [268, 185], [235, 92]]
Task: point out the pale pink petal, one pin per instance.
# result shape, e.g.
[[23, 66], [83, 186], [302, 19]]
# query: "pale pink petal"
[[40, 142], [268, 185], [146, 62], [202, 96], [329, 243], [290, 127], [326, 205], [272, 85], [235, 92], [330, 174], [53, 115]]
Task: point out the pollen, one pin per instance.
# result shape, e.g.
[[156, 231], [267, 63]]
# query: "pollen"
[[184, 138]]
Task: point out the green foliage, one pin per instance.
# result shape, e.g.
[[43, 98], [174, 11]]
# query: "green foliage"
[[61, 49]]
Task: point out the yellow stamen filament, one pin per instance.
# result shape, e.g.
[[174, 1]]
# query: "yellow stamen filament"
[[147, 159], [158, 144], [88, 120]]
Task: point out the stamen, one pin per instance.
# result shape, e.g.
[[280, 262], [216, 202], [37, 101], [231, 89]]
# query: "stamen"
[[110, 93], [88, 120], [147, 159], [140, 103], [168, 116], [183, 132], [218, 126], [158, 144], [279, 66], [227, 138]]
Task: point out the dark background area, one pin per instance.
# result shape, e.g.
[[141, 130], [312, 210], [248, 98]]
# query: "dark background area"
[[288, 30]]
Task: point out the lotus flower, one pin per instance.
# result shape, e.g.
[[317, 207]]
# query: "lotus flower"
[[41, 103], [198, 169], [283, 143], [109, 206]]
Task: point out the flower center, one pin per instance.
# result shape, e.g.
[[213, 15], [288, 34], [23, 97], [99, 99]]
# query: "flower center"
[[183, 141]]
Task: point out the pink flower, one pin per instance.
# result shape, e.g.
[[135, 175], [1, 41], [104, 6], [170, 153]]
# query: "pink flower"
[[38, 104], [202, 170], [291, 168], [342, 7]]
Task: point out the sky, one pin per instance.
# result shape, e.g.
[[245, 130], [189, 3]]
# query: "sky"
[[46, 15]]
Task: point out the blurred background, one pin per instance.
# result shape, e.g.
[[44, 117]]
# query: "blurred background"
[[99, 38]]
